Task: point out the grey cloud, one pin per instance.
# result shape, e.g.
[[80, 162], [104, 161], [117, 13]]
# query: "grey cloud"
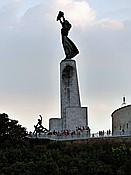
[[26, 54], [106, 55], [121, 13], [8, 16]]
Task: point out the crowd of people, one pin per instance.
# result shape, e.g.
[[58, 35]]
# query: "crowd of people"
[[77, 132], [102, 133], [81, 131]]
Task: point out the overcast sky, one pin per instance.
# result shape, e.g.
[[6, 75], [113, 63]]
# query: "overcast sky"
[[31, 50]]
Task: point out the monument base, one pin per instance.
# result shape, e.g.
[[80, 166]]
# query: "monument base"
[[55, 124], [72, 114], [76, 117]]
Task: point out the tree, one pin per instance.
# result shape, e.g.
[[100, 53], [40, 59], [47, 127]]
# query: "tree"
[[10, 130]]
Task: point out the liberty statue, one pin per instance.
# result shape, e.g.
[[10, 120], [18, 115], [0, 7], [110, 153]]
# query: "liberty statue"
[[69, 47]]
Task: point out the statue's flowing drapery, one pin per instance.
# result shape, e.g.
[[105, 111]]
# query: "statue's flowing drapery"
[[69, 47]]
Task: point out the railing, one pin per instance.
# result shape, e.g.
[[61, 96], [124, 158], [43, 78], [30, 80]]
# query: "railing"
[[80, 135], [68, 137]]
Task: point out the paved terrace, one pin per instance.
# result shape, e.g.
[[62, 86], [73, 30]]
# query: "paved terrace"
[[71, 135]]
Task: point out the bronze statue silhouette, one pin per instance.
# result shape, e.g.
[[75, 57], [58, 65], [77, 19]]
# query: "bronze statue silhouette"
[[69, 47], [39, 128]]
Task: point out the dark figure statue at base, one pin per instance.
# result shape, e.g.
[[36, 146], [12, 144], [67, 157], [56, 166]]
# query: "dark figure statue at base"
[[69, 47], [39, 128]]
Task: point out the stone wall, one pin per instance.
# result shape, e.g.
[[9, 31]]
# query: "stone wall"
[[121, 121], [76, 117], [55, 124], [102, 140]]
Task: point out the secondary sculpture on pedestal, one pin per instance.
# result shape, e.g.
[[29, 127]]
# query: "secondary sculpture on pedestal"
[[69, 47], [39, 128]]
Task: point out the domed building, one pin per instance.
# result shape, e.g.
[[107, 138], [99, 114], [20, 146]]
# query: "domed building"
[[121, 120]]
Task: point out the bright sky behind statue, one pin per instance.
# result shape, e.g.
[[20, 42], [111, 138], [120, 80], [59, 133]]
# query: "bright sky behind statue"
[[31, 50]]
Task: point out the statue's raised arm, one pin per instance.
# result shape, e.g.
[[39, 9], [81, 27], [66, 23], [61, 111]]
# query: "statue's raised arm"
[[69, 47]]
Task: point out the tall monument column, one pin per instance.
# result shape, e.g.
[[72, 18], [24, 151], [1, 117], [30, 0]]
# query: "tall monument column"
[[72, 114], [69, 88]]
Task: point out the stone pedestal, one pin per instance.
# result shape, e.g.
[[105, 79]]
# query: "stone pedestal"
[[72, 114], [76, 117], [55, 124]]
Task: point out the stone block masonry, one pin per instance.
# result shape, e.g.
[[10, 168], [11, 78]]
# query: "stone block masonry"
[[76, 117], [72, 114]]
